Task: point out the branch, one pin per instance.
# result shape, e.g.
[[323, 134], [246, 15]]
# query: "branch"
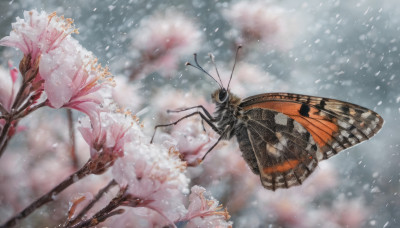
[[99, 219], [21, 96], [50, 196], [22, 113], [106, 212], [3, 136], [92, 203]]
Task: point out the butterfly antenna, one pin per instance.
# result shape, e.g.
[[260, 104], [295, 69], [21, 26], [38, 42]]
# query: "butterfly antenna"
[[197, 66], [215, 66], [237, 51]]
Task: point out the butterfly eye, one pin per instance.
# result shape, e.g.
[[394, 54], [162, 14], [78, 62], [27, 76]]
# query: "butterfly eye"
[[223, 96]]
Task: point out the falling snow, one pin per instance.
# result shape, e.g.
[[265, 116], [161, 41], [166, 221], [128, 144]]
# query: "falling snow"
[[347, 50]]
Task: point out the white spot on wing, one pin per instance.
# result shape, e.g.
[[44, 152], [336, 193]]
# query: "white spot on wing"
[[343, 124], [281, 119], [345, 133], [273, 150], [365, 114], [298, 127], [282, 139]]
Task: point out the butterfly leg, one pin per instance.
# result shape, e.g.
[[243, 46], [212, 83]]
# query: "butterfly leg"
[[227, 128], [203, 117], [198, 106], [202, 124]]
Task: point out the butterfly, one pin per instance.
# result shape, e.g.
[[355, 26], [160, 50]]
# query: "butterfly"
[[283, 136]]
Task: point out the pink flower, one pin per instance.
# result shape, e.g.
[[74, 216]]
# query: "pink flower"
[[73, 79], [38, 33], [204, 212], [188, 136], [8, 91], [107, 135], [8, 87], [71, 76], [154, 177], [259, 21], [163, 38], [190, 139]]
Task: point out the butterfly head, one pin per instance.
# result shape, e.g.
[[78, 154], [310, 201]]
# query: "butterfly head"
[[221, 95]]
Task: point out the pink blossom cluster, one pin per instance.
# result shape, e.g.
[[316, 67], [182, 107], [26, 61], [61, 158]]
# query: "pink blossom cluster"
[[151, 177], [205, 211], [162, 39], [257, 21], [155, 178], [69, 74], [107, 134]]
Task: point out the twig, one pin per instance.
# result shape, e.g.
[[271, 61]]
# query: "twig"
[[99, 219], [50, 196], [3, 136], [71, 129], [8, 137], [106, 212], [18, 101], [3, 110], [92, 203], [21, 109], [22, 113], [19, 98]]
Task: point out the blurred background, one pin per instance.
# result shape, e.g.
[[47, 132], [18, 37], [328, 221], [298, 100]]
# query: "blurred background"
[[348, 50]]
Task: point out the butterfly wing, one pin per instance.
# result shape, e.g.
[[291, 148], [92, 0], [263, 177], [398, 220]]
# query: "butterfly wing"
[[277, 148], [335, 125], [290, 133]]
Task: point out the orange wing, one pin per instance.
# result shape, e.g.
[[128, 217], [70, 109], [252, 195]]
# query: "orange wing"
[[334, 125]]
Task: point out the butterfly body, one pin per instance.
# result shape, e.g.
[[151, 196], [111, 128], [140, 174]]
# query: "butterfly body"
[[228, 113]]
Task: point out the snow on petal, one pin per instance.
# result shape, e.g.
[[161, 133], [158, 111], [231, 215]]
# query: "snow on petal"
[[203, 212], [109, 133], [72, 77], [155, 177], [38, 32]]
